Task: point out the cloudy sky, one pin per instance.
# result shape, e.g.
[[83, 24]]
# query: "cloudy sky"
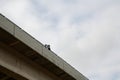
[[85, 33]]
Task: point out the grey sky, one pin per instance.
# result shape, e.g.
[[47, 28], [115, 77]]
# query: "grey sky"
[[85, 33]]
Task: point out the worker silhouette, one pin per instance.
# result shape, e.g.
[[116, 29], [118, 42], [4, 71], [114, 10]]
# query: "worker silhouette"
[[47, 46]]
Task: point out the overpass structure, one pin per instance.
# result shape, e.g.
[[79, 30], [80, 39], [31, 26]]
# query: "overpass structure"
[[22, 57]]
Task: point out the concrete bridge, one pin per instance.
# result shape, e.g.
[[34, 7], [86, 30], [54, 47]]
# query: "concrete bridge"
[[24, 58]]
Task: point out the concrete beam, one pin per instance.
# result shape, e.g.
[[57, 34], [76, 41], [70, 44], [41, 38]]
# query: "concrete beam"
[[11, 60]]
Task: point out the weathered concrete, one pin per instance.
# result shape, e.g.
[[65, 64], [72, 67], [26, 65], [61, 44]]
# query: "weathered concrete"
[[10, 59], [6, 74]]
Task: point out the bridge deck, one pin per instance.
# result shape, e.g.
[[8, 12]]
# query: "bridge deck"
[[14, 37]]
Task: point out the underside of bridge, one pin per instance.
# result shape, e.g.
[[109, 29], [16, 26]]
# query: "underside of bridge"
[[6, 74]]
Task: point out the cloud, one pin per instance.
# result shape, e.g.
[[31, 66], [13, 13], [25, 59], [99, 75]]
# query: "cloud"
[[83, 32]]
